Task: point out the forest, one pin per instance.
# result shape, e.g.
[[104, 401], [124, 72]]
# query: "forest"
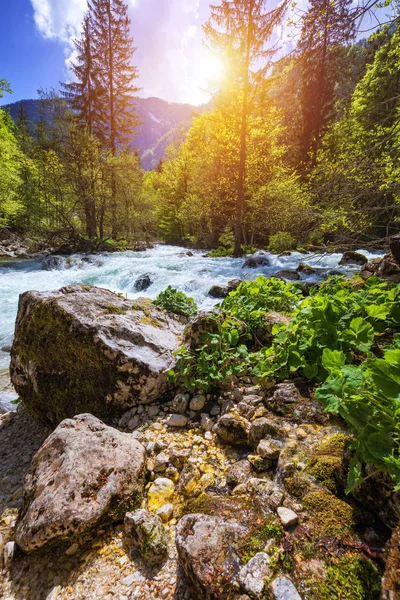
[[297, 148]]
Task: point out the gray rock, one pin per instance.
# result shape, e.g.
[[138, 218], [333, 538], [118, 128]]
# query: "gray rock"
[[161, 463], [252, 576], [180, 403], [283, 589], [206, 422], [288, 275], [177, 421], [148, 534], [198, 402], [233, 429], [83, 473], [218, 292], [8, 553], [84, 349], [178, 457], [208, 556], [287, 516], [166, 512], [256, 261], [353, 258]]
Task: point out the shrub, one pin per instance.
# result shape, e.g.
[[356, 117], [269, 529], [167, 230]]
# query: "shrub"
[[281, 242], [176, 302]]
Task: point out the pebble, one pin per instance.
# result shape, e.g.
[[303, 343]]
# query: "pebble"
[[177, 421], [72, 550], [165, 512], [287, 516], [198, 403]]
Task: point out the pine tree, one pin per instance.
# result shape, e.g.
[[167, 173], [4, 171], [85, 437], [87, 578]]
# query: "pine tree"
[[83, 93], [327, 27], [241, 29]]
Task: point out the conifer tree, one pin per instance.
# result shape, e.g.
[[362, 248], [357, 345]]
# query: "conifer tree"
[[327, 27], [242, 29]]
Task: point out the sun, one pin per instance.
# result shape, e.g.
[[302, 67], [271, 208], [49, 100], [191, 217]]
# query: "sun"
[[207, 71]]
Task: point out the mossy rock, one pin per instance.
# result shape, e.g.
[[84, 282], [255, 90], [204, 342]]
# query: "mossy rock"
[[329, 515], [351, 577], [328, 464]]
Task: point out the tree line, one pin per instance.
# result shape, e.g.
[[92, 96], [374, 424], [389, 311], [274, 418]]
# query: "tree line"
[[294, 150]]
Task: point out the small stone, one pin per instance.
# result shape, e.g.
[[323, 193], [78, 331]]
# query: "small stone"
[[153, 411], [178, 457], [238, 473], [283, 589], [128, 580], [233, 429], [180, 403], [161, 462], [206, 423], [72, 550], [8, 553], [258, 463], [165, 512], [177, 421], [287, 516], [254, 573], [301, 434], [160, 492], [269, 449], [197, 402], [215, 411]]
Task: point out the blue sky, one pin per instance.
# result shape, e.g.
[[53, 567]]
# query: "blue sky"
[[36, 43]]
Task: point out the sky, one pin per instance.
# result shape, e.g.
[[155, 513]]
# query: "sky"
[[36, 44]]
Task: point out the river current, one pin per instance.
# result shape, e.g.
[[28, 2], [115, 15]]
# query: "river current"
[[166, 265]]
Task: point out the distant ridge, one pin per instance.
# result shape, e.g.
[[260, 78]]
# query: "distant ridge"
[[163, 122]]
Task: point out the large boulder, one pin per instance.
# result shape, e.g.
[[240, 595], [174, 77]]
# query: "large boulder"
[[207, 554], [83, 473], [353, 258], [385, 268], [85, 349], [143, 283]]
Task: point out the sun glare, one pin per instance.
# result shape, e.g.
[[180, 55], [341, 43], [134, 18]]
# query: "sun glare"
[[207, 72]]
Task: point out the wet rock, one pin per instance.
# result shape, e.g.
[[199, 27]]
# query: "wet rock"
[[234, 284], [269, 449], [143, 283], [328, 462], [84, 349], [353, 258], [238, 473], [68, 491], [258, 463], [147, 533], [207, 555], [263, 428], [283, 589], [252, 576], [288, 275], [288, 517], [192, 483], [160, 492], [218, 292], [52, 263], [256, 261], [305, 269], [286, 401], [233, 429]]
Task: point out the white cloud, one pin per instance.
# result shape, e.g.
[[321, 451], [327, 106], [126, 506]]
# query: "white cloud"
[[59, 19]]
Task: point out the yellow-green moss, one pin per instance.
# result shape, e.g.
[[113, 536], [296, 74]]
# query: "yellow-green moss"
[[329, 515], [327, 463], [350, 578]]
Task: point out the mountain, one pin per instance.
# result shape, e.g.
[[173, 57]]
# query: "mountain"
[[162, 123]]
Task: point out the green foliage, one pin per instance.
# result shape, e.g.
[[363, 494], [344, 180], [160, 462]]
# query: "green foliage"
[[251, 300], [176, 302], [343, 316], [218, 356], [367, 397], [281, 242], [352, 577]]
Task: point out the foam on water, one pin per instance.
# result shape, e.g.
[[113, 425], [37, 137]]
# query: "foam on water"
[[167, 265]]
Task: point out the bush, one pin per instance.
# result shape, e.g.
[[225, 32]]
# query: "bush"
[[176, 302], [281, 242]]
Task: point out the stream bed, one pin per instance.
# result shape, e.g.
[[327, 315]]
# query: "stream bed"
[[166, 265]]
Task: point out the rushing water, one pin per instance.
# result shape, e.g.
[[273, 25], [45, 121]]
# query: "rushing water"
[[166, 265]]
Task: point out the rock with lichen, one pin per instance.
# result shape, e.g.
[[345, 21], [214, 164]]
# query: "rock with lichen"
[[83, 473], [147, 533], [233, 429], [85, 349]]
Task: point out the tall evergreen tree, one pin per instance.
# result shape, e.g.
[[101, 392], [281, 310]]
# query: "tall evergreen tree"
[[327, 27], [242, 29]]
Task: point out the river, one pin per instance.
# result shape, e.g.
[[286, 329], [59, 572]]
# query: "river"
[[166, 265]]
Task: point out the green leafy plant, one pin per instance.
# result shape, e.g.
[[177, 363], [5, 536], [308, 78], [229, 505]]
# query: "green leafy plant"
[[367, 397], [281, 242], [342, 315], [218, 356], [176, 302], [251, 300]]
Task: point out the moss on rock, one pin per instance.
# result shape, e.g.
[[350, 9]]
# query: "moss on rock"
[[329, 515]]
